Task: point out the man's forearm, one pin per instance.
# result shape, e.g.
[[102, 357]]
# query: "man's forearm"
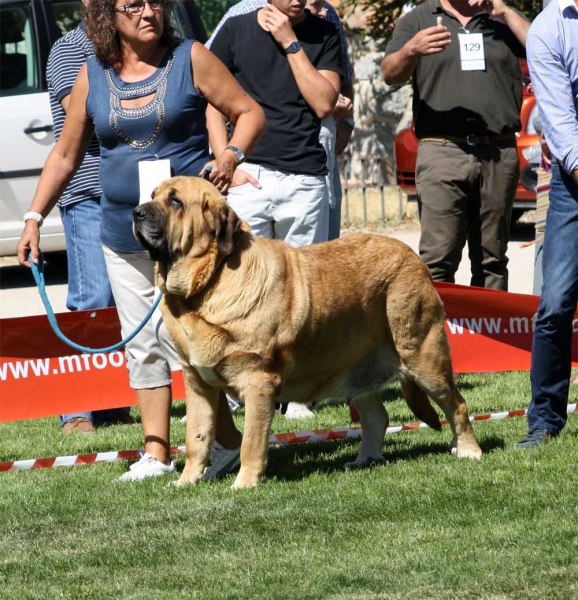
[[517, 24], [319, 93], [397, 68]]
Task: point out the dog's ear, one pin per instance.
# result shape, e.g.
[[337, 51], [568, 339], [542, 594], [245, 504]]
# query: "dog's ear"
[[225, 224], [228, 226]]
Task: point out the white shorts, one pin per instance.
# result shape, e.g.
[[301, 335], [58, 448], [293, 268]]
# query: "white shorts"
[[151, 355], [289, 207]]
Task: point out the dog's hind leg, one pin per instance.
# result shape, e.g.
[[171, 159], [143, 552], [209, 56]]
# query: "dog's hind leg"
[[430, 367], [374, 421], [424, 354], [419, 403]]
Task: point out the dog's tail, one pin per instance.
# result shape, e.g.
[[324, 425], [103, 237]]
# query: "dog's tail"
[[420, 405]]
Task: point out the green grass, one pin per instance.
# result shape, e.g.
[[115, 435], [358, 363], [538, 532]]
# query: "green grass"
[[423, 526]]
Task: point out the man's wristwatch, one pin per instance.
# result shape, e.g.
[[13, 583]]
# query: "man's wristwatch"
[[237, 152], [293, 47], [35, 217]]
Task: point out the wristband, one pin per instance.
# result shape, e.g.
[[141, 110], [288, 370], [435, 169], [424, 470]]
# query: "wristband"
[[35, 217], [350, 122]]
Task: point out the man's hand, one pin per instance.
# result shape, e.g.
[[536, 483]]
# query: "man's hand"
[[279, 25], [495, 8], [241, 177], [344, 108], [429, 41]]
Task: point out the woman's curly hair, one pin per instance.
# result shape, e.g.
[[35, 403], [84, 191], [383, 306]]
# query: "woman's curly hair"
[[99, 18]]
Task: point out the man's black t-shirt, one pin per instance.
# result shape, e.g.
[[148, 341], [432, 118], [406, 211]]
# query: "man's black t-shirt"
[[291, 140]]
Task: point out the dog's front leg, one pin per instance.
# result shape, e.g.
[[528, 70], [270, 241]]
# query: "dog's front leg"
[[259, 411], [202, 404]]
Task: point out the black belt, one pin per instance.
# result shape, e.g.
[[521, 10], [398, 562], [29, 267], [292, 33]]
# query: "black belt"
[[471, 140]]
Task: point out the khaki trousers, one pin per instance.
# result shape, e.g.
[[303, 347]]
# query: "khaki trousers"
[[466, 194]]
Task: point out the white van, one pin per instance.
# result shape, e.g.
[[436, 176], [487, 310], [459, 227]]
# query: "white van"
[[28, 28]]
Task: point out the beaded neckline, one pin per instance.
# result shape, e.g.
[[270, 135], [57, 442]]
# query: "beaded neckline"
[[157, 86]]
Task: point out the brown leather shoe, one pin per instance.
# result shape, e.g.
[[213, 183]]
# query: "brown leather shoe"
[[78, 425], [121, 418]]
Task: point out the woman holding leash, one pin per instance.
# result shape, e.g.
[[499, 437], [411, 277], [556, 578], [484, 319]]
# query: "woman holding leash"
[[144, 95]]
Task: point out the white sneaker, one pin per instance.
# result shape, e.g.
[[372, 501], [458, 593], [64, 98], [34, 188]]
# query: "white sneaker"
[[222, 461], [296, 410], [147, 466], [233, 404]]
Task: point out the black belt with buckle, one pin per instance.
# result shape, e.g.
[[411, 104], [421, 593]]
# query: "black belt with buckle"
[[471, 140]]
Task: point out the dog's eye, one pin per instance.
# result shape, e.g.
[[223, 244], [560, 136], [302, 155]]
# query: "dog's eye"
[[175, 202]]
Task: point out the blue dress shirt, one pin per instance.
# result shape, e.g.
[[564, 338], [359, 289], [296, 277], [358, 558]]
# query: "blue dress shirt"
[[552, 50]]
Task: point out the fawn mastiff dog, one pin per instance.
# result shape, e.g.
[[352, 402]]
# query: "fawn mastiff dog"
[[265, 323]]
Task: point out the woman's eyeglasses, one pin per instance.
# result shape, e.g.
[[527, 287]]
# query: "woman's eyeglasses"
[[136, 8]]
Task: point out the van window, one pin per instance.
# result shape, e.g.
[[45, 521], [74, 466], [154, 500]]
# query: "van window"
[[67, 13], [18, 51]]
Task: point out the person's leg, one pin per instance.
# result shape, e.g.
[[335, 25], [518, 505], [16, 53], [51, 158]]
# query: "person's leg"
[[131, 277], [335, 211], [327, 139], [300, 207], [552, 343], [538, 256], [77, 423], [488, 244], [252, 204], [88, 284], [443, 177], [542, 202]]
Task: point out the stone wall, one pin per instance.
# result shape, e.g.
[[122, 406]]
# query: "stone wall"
[[379, 112]]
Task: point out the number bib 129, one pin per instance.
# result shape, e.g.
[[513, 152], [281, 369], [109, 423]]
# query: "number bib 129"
[[472, 51]]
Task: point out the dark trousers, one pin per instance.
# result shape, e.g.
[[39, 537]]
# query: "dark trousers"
[[466, 194], [552, 342]]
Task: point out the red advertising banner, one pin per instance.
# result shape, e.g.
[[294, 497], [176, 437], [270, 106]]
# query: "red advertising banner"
[[41, 376]]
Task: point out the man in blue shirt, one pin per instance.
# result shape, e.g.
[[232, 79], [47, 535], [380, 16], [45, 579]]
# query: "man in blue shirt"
[[551, 47]]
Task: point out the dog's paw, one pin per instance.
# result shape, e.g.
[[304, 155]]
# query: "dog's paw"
[[364, 463], [465, 450], [245, 481], [182, 480]]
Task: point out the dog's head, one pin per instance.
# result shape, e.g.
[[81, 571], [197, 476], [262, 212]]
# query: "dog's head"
[[186, 228]]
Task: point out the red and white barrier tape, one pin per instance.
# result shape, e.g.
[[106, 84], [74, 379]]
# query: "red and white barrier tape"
[[313, 435]]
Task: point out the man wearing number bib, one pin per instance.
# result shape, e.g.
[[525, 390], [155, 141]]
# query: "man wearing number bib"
[[462, 58]]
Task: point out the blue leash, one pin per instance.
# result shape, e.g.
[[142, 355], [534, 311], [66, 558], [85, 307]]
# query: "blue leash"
[[38, 273]]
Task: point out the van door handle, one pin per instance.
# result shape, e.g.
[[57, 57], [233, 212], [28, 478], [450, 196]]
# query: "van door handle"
[[41, 129]]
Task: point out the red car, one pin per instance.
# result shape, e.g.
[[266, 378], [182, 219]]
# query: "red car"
[[405, 150]]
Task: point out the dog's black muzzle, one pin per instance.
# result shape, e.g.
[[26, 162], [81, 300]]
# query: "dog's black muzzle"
[[149, 225]]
